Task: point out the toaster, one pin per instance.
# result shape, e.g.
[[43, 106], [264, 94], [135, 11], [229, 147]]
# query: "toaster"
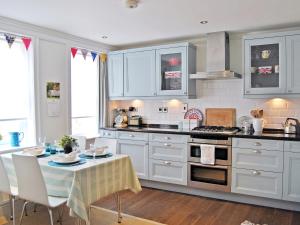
[[135, 121]]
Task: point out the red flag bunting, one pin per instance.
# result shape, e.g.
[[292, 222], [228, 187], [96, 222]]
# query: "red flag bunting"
[[26, 42], [74, 51], [84, 53]]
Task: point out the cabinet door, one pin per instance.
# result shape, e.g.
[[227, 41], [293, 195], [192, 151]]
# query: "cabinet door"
[[257, 183], [293, 65], [138, 153], [167, 171], [171, 71], [115, 75], [265, 66], [291, 184], [139, 74]]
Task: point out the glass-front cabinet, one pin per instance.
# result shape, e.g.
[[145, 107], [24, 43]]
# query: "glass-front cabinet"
[[171, 71], [265, 66]]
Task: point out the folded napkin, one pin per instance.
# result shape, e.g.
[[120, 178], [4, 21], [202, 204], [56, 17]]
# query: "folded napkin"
[[207, 154], [246, 222]]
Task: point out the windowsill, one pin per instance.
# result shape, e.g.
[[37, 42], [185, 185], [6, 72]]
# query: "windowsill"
[[6, 148]]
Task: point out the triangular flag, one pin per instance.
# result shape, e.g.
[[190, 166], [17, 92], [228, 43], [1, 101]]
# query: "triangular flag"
[[94, 55], [10, 39], [74, 51], [26, 42], [84, 53]]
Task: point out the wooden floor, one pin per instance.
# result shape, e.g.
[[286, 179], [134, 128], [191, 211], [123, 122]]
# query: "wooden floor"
[[179, 209]]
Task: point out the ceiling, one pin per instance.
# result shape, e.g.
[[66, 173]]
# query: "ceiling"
[[152, 20]]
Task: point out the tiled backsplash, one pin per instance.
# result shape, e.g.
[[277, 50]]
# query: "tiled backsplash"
[[215, 94]]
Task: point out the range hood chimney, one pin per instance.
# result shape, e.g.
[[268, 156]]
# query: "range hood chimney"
[[217, 59]]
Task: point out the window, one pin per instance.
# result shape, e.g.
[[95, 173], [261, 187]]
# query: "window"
[[16, 91], [85, 92]]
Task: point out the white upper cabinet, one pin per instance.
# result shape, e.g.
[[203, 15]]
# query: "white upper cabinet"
[[171, 71], [139, 74], [153, 72], [265, 66], [293, 65], [115, 75]]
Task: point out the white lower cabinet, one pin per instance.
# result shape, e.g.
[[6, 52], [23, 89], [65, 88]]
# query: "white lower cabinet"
[[168, 171], [257, 183], [291, 187], [138, 153], [257, 159], [168, 151]]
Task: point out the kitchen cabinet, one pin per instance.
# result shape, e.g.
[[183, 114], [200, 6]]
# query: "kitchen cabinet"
[[257, 144], [265, 66], [160, 72], [139, 74], [171, 71], [291, 178], [293, 65], [138, 153], [115, 75], [257, 183], [168, 171], [168, 151]]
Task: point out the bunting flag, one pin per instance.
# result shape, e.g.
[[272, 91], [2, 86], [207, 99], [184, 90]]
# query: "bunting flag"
[[94, 55], [84, 53], [103, 57], [74, 51], [26, 42], [10, 39]]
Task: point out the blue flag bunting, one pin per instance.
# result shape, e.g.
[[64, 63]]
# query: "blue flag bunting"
[[10, 39], [94, 55]]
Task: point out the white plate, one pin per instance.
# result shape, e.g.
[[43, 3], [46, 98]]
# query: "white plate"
[[34, 154], [60, 160], [90, 153]]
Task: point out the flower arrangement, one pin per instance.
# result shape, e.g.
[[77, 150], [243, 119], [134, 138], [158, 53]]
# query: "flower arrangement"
[[67, 143]]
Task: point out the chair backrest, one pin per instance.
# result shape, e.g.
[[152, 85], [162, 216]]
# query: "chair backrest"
[[111, 143], [81, 140], [31, 184], [4, 181]]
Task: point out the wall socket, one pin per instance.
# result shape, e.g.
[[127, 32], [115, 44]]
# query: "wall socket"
[[160, 109], [165, 109], [184, 107]]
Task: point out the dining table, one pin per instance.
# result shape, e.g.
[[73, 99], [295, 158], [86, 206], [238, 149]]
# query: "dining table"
[[83, 183]]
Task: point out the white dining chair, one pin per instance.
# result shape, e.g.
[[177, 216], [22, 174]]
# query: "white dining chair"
[[32, 187], [6, 188], [81, 140], [111, 143]]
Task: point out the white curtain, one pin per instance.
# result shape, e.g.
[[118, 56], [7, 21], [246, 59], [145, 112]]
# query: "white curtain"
[[103, 95]]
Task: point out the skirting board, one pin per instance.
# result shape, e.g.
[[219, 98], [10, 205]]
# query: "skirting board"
[[280, 204]]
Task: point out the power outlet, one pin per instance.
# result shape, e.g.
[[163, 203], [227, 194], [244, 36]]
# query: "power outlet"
[[184, 107], [160, 109], [165, 109]]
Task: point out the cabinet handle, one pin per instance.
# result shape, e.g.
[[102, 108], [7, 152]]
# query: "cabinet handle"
[[257, 144], [166, 144], [155, 93], [167, 138], [146, 144], [185, 93], [256, 151], [131, 135], [247, 92], [290, 91], [255, 172], [167, 163]]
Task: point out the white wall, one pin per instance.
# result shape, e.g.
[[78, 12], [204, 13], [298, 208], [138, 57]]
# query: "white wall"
[[52, 63], [219, 93]]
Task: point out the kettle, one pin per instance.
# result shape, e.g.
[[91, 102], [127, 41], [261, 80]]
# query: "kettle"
[[290, 128]]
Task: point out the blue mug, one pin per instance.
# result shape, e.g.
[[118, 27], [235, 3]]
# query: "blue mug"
[[16, 138]]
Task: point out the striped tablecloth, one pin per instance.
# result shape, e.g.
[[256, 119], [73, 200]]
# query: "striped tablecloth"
[[84, 184]]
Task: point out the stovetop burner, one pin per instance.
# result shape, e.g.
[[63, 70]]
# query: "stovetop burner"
[[215, 129]]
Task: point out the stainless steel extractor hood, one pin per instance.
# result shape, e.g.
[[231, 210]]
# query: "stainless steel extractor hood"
[[217, 59]]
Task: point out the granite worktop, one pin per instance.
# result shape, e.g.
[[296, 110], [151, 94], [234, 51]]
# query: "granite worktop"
[[271, 134]]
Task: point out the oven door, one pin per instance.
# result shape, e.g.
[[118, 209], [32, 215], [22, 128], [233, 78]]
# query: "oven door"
[[217, 178], [222, 154]]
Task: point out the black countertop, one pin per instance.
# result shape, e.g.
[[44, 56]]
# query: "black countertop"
[[172, 129]]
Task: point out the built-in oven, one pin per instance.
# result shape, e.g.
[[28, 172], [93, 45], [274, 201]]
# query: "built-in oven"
[[223, 150], [216, 177], [213, 177]]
